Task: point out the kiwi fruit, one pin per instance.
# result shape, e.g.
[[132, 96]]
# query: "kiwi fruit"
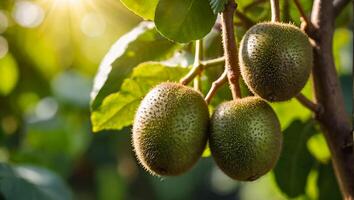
[[170, 129], [245, 138], [275, 60]]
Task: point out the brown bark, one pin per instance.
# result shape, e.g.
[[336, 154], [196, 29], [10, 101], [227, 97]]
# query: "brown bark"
[[333, 118], [230, 48]]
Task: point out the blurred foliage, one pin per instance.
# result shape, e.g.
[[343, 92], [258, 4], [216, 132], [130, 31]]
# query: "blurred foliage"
[[50, 51]]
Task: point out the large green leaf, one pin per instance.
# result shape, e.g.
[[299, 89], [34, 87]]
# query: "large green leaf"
[[295, 161], [31, 183], [143, 8], [118, 109], [141, 44], [184, 20], [218, 5], [327, 183]]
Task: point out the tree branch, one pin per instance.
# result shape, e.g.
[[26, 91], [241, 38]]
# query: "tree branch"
[[275, 10], [302, 13], [197, 69], [339, 5], [334, 120], [308, 103], [230, 48], [215, 86], [213, 62]]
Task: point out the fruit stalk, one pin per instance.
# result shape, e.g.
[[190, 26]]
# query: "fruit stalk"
[[197, 58], [230, 48], [302, 12], [334, 121], [275, 10], [215, 86]]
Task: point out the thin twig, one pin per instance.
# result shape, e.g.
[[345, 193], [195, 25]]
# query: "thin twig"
[[197, 67], [213, 62], [196, 83], [246, 21], [302, 13], [339, 5], [308, 103], [275, 10], [230, 48], [192, 74], [215, 86], [197, 58]]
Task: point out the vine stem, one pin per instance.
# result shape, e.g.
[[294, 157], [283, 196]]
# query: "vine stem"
[[275, 10], [197, 69], [302, 13], [308, 103], [230, 48], [215, 86], [197, 58]]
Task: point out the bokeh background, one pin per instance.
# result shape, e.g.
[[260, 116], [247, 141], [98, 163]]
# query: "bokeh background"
[[49, 53]]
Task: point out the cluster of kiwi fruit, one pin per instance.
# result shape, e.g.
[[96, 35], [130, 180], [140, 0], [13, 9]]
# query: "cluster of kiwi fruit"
[[172, 124]]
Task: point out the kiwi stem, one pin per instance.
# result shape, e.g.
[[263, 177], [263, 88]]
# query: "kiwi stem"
[[197, 57], [230, 48], [213, 62], [215, 86], [198, 69], [339, 5], [275, 10], [303, 14], [308, 103]]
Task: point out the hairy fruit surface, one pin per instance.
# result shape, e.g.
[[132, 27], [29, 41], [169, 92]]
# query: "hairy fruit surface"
[[170, 129], [245, 138], [275, 60]]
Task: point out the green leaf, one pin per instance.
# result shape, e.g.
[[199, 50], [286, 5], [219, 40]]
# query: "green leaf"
[[8, 74], [295, 161], [118, 109], [184, 20], [327, 183], [218, 5], [143, 8], [318, 148], [31, 183], [141, 44]]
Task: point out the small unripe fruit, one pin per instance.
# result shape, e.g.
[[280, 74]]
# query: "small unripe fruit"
[[245, 138], [275, 60], [170, 129]]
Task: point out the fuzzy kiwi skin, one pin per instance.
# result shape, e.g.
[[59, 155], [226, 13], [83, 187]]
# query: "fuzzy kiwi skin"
[[245, 138], [275, 60], [170, 129]]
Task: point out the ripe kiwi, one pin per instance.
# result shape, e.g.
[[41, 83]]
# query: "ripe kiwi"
[[275, 60], [245, 138], [170, 129]]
